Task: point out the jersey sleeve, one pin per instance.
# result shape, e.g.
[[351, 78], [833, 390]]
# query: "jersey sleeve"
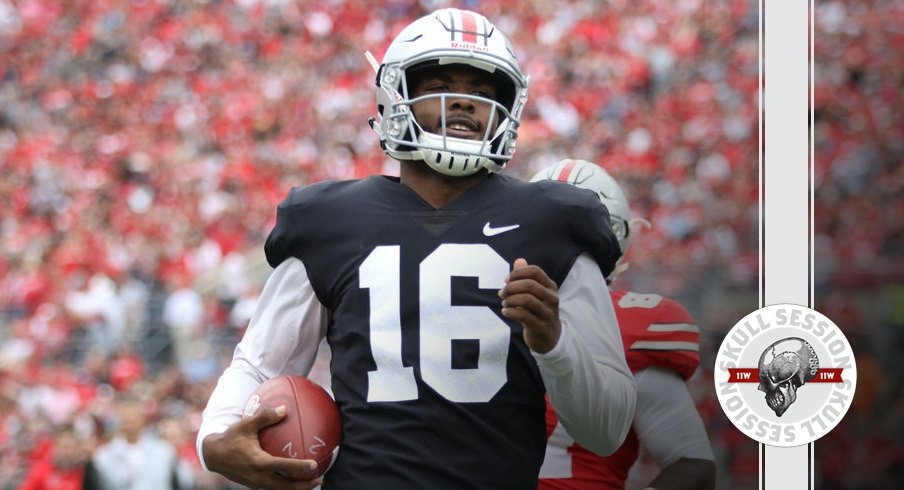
[[664, 335], [594, 231], [296, 217], [666, 420], [282, 338], [587, 223], [587, 380]]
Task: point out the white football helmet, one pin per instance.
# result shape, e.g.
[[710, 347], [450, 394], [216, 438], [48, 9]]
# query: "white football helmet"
[[445, 37], [588, 175]]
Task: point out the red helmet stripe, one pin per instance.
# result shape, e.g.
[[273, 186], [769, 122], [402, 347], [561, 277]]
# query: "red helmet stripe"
[[565, 173], [468, 27]]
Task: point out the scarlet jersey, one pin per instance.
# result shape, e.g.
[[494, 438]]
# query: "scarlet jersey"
[[656, 331]]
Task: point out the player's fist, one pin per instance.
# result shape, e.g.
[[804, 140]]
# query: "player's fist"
[[531, 297]]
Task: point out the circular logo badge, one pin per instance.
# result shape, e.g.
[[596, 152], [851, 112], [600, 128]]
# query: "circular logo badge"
[[785, 375]]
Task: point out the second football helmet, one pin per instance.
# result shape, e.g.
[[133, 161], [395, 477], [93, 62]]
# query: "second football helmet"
[[446, 37], [588, 175]]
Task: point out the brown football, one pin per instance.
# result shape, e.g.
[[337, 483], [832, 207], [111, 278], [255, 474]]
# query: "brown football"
[[311, 428]]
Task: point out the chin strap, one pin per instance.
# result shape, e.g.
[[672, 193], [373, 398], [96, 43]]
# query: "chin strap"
[[405, 155]]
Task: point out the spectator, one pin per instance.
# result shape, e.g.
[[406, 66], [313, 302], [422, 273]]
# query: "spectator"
[[174, 430], [62, 466], [183, 314], [136, 458]]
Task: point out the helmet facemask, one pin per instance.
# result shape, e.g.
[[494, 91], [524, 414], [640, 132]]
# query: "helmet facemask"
[[448, 154]]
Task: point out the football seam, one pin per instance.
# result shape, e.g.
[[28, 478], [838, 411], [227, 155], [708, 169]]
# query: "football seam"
[[328, 458], [298, 424]]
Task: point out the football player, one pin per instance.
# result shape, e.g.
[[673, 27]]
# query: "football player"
[[661, 347], [453, 297]]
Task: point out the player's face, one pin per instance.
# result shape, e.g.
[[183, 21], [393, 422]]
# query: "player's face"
[[465, 118]]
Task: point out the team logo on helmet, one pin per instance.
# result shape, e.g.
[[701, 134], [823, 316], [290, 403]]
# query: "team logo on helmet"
[[785, 375]]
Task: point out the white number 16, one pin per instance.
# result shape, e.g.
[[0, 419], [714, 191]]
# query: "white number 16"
[[440, 324]]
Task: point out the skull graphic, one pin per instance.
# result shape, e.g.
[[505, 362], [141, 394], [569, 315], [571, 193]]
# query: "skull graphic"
[[784, 367]]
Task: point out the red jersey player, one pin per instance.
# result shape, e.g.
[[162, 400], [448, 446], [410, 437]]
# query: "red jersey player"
[[661, 347]]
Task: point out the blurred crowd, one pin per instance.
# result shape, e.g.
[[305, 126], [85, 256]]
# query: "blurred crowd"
[[144, 145]]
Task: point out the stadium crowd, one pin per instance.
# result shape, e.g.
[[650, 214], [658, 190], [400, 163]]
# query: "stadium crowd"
[[144, 145]]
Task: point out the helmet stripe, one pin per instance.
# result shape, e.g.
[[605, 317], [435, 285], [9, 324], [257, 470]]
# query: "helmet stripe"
[[565, 173], [468, 27]]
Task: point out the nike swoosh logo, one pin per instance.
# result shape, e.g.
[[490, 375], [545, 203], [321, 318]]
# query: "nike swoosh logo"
[[491, 231]]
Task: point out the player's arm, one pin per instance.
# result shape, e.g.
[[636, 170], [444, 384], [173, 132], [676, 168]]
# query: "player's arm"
[[670, 428], [282, 337], [574, 336]]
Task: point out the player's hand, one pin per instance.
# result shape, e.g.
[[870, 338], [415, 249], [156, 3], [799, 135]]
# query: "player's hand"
[[531, 297], [237, 455]]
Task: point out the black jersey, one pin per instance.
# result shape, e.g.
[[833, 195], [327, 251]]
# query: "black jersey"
[[436, 388]]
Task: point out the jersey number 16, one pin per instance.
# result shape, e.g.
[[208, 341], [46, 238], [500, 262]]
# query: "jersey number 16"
[[441, 323]]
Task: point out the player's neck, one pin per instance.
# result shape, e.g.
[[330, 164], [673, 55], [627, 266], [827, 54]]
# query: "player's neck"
[[436, 189]]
